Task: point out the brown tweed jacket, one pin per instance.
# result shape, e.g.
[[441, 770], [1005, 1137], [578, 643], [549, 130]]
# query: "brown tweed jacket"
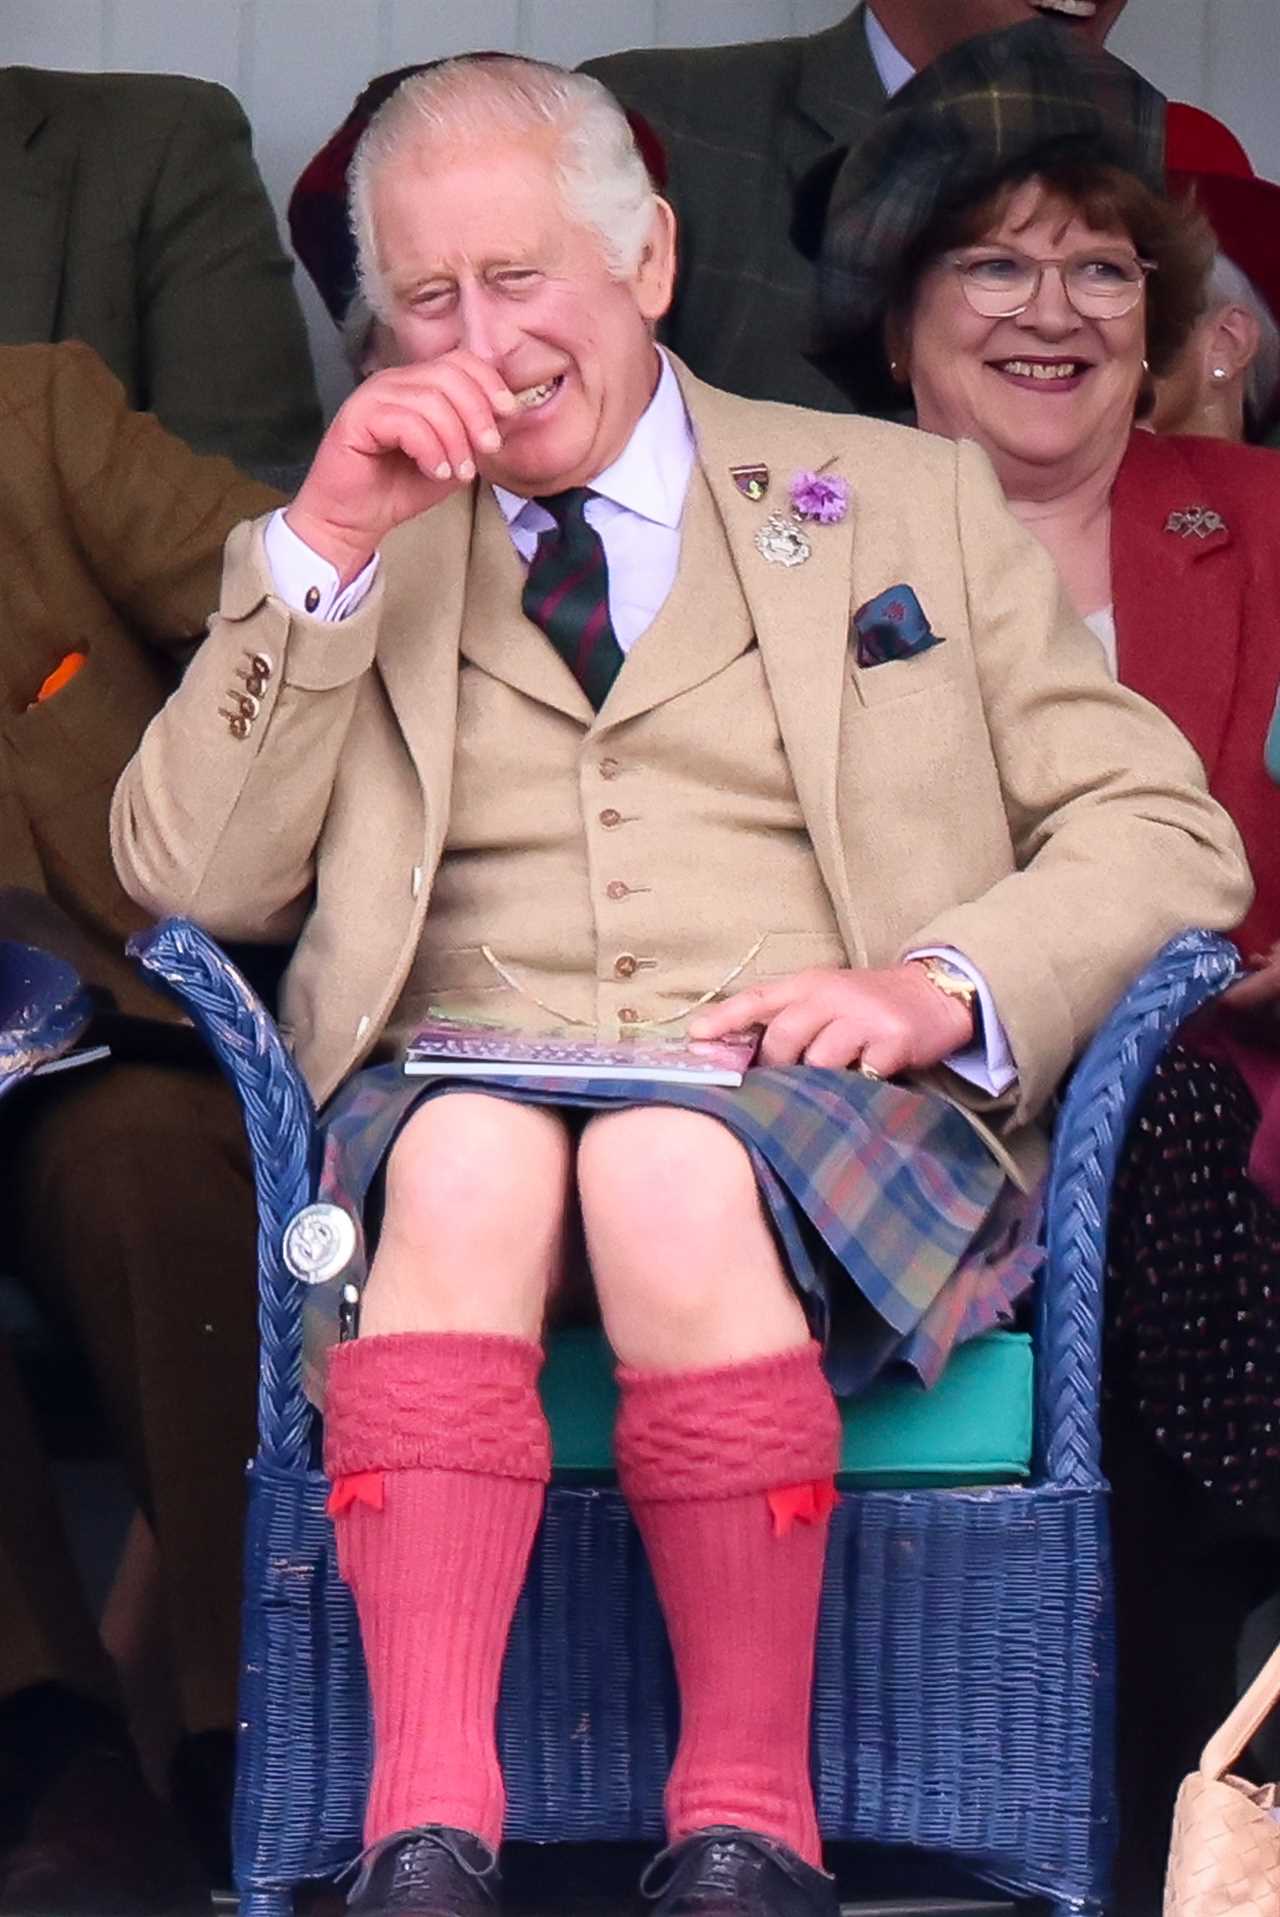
[[111, 537], [742, 126], [135, 219]]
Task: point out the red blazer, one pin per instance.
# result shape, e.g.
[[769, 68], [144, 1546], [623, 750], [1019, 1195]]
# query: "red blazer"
[[1198, 624]]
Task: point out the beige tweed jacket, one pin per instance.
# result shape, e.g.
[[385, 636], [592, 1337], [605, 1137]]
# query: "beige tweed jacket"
[[996, 793]]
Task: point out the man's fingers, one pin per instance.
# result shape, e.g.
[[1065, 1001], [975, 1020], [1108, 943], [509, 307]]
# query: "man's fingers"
[[476, 392], [755, 1006], [840, 1042], [403, 429], [791, 1031], [883, 1058]]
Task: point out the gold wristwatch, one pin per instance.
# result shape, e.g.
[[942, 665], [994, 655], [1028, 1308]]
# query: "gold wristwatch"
[[951, 980]]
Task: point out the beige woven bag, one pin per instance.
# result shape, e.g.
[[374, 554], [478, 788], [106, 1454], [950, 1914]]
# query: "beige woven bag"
[[1224, 1857]]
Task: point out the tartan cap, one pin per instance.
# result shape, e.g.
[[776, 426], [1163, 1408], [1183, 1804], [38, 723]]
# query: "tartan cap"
[[319, 225], [972, 117]]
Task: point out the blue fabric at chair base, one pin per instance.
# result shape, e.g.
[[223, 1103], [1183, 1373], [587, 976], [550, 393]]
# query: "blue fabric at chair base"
[[960, 1633]]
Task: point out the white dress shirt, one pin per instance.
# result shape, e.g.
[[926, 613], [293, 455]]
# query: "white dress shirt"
[[638, 516], [893, 69]]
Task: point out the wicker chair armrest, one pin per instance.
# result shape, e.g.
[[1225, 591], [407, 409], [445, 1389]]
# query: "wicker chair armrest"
[[1098, 1105], [280, 1121]]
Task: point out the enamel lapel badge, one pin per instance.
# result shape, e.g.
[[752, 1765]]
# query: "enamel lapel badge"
[[752, 481]]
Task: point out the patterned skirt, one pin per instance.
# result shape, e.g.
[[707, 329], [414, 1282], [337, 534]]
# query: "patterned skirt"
[[1193, 1282], [901, 1233]]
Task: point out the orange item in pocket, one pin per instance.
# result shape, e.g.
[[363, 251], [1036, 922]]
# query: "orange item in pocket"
[[61, 675]]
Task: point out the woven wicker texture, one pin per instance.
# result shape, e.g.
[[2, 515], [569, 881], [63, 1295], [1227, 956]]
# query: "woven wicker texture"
[[1224, 1858], [963, 1693]]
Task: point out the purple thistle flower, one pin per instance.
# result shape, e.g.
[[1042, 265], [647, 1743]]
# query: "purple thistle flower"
[[820, 496]]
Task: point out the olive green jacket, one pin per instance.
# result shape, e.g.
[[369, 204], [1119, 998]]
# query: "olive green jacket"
[[135, 219]]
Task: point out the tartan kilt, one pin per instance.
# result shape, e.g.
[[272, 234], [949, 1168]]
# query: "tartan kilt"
[[901, 1233]]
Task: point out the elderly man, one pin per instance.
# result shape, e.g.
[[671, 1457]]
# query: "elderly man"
[[744, 128], [814, 725]]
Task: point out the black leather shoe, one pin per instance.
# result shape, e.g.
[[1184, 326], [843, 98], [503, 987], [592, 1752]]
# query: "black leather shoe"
[[737, 1873], [431, 1872]]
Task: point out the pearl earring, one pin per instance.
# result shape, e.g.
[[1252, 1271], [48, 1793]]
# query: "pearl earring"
[[1220, 372]]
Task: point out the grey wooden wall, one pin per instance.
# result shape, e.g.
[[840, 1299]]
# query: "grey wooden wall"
[[297, 64]]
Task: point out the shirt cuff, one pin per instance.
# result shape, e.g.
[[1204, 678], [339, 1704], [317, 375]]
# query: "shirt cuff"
[[308, 583], [988, 1062]]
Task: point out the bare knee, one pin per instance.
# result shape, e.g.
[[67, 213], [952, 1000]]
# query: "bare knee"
[[473, 1225], [684, 1261]]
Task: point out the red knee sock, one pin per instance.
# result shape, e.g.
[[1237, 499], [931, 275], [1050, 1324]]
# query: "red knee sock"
[[439, 1455], [730, 1476]]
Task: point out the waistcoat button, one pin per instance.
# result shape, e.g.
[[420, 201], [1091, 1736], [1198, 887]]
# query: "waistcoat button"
[[609, 817], [628, 1015], [616, 889], [625, 967], [262, 665], [609, 768]]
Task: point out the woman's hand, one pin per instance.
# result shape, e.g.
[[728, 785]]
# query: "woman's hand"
[[888, 1021], [1258, 995]]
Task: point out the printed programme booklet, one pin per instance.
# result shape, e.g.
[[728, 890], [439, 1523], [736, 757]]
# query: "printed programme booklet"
[[463, 1048]]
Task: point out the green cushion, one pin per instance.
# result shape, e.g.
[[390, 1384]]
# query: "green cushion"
[[973, 1427]]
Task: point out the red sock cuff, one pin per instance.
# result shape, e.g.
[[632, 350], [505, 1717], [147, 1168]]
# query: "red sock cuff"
[[446, 1401], [728, 1432]]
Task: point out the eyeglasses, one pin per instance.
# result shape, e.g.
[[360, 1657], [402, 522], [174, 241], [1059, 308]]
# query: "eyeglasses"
[[1001, 282]]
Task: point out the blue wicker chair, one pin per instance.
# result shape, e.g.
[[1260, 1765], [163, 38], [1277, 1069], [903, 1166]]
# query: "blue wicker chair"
[[963, 1698]]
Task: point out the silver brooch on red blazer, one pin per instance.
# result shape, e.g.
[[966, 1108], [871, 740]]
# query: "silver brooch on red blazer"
[[1195, 522], [891, 626], [817, 498]]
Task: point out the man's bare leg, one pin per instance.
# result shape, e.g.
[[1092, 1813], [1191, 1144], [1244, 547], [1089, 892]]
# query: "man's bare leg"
[[727, 1443], [438, 1448]]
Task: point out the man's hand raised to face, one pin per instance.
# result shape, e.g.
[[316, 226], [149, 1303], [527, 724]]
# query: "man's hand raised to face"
[[405, 440]]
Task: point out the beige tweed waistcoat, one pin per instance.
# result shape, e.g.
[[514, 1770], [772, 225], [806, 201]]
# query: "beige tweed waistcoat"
[[628, 829]]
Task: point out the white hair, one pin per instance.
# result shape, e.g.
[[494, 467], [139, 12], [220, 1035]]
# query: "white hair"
[[1229, 286], [604, 183]]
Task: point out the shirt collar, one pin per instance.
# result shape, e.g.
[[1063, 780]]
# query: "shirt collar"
[[893, 69], [651, 475]]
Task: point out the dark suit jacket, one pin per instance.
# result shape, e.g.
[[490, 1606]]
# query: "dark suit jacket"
[[742, 126], [111, 536], [135, 219], [1198, 625]]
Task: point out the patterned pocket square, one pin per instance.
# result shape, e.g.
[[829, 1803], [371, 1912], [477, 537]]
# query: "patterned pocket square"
[[892, 626]]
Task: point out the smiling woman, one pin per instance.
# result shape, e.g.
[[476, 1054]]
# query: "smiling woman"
[[1029, 282]]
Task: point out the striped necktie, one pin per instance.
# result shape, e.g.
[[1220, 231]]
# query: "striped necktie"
[[567, 594]]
